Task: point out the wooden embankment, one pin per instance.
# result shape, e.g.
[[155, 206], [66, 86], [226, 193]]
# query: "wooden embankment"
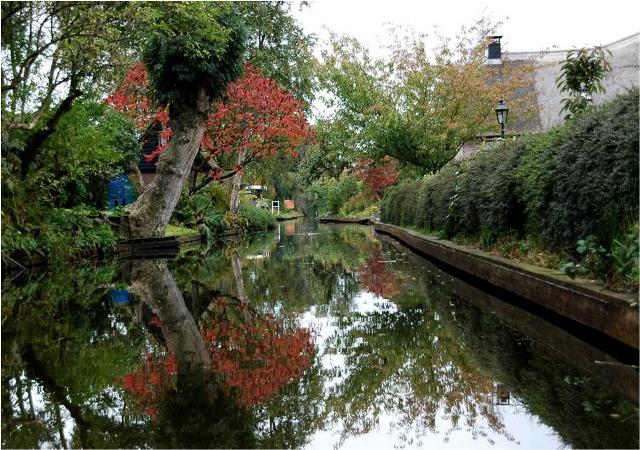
[[338, 219]]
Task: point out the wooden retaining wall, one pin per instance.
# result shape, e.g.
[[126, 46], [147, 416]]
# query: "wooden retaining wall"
[[163, 247], [582, 301], [337, 219]]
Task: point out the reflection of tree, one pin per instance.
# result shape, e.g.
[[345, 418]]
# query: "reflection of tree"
[[258, 357], [403, 363], [376, 277], [240, 354], [150, 382], [62, 336]]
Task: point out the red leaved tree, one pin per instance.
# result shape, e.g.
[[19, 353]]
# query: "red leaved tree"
[[377, 175], [255, 119]]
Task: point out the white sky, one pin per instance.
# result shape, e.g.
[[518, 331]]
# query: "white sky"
[[528, 26]]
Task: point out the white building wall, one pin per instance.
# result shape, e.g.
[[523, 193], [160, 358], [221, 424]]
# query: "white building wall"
[[625, 73]]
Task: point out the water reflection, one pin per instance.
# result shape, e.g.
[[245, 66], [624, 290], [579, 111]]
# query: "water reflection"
[[311, 335]]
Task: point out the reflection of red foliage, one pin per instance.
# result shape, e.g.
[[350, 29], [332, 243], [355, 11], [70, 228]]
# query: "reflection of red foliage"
[[257, 357], [150, 382], [376, 277], [377, 175]]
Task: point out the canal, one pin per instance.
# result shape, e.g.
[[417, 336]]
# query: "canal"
[[317, 336]]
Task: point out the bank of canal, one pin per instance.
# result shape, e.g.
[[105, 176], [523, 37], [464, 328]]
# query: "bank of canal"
[[314, 335]]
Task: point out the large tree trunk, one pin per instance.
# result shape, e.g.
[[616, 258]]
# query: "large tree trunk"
[[236, 184], [151, 212]]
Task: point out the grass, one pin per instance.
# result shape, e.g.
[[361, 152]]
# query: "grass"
[[519, 250], [175, 230], [288, 215]]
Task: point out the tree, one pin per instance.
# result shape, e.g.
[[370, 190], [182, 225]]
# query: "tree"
[[256, 119], [377, 175], [279, 48], [409, 105], [581, 76], [54, 53], [192, 52]]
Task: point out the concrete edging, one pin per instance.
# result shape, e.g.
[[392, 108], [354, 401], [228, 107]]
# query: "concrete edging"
[[582, 301]]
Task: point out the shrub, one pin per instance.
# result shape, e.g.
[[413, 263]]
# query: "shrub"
[[257, 218], [578, 180], [438, 200], [488, 196], [534, 177], [66, 234], [398, 205], [596, 167]]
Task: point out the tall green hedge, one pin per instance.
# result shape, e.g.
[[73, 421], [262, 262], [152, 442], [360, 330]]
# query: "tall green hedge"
[[556, 187]]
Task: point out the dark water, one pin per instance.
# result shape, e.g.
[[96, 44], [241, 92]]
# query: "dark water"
[[312, 336]]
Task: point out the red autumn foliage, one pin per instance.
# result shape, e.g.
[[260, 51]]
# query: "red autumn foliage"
[[131, 99], [377, 175], [255, 116], [258, 117]]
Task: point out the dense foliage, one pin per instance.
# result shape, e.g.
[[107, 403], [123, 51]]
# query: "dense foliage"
[[207, 56], [257, 219], [256, 119], [93, 144], [557, 188]]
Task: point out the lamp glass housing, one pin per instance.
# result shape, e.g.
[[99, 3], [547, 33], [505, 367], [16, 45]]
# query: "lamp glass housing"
[[502, 111]]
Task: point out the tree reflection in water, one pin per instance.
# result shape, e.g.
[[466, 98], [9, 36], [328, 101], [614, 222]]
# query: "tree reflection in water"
[[212, 354], [234, 352]]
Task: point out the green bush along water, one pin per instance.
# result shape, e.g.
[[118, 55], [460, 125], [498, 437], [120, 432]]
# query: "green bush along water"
[[578, 181]]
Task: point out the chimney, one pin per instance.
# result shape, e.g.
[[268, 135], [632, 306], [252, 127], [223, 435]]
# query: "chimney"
[[494, 52]]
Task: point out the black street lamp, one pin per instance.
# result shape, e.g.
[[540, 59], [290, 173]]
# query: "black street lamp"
[[501, 115], [584, 93]]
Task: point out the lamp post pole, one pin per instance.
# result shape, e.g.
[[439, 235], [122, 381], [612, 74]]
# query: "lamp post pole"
[[502, 111]]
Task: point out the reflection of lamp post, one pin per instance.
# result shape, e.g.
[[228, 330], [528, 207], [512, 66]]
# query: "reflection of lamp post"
[[501, 115], [503, 395]]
